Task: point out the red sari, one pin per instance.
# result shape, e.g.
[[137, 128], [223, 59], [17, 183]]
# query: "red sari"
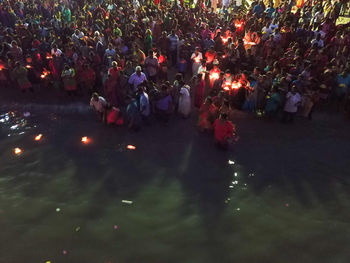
[[223, 131], [114, 117], [207, 113], [199, 93]]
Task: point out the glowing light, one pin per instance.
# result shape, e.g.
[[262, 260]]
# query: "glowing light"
[[236, 85], [2, 67], [45, 73], [38, 137], [231, 162], [197, 59], [224, 39], [18, 151], [238, 25], [131, 147], [29, 66], [127, 202], [214, 76], [58, 209], [161, 59], [85, 140], [48, 56]]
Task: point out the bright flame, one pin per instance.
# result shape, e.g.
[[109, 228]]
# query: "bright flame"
[[131, 147], [238, 25], [214, 76], [161, 59], [38, 137], [17, 151], [236, 85], [224, 39], [85, 140], [45, 73]]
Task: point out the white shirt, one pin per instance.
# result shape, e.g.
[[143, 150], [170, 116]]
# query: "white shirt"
[[136, 80], [292, 102], [98, 105], [58, 52], [144, 104], [198, 57]]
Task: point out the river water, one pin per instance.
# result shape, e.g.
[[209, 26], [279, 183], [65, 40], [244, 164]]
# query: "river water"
[[280, 194]]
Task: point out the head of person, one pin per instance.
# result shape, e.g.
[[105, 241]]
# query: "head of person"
[[141, 89], [138, 70], [178, 76], [95, 96], [223, 116], [114, 64], [208, 100]]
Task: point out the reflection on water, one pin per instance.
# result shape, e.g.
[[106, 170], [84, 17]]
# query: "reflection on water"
[[15, 123]]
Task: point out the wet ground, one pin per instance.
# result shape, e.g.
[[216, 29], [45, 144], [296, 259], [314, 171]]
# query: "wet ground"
[[281, 194]]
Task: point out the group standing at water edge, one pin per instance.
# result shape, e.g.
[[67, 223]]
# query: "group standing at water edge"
[[273, 58]]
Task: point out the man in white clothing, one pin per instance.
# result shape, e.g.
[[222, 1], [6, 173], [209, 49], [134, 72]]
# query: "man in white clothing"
[[293, 100], [145, 108], [99, 104], [137, 78]]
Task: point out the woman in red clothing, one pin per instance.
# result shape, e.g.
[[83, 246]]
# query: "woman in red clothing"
[[114, 116], [199, 86], [87, 78], [207, 114], [224, 130]]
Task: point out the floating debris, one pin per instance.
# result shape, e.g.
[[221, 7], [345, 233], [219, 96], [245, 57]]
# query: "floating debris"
[[26, 114], [17, 151], [115, 227], [85, 140], [127, 202], [131, 147], [77, 229], [58, 209], [38, 137]]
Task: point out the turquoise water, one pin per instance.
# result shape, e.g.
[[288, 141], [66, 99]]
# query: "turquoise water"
[[281, 194]]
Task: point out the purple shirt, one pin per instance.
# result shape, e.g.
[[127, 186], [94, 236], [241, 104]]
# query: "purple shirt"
[[163, 104]]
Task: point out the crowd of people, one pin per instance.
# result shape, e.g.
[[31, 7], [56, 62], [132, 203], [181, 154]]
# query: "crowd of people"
[[143, 59]]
